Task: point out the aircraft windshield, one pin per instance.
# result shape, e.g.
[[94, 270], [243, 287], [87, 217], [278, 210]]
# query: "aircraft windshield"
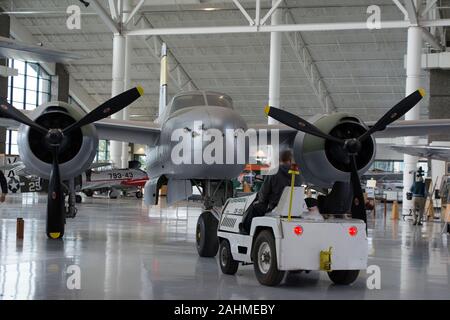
[[219, 100], [198, 99], [188, 100]]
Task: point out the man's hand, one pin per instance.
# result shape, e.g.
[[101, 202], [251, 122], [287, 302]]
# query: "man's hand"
[[2, 197]]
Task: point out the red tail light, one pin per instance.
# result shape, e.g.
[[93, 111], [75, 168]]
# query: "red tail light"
[[298, 230], [353, 231]]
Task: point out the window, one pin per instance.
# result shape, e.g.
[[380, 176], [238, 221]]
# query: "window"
[[219, 100], [187, 100], [102, 151], [26, 91], [394, 165]]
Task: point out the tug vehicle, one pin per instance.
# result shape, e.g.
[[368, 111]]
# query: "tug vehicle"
[[290, 238]]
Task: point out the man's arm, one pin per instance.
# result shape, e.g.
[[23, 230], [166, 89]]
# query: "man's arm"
[[263, 194]]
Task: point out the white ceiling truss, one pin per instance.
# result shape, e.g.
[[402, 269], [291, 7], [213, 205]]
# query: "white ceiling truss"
[[344, 67]]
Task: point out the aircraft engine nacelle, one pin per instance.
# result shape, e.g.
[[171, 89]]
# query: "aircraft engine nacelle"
[[77, 150], [324, 162]]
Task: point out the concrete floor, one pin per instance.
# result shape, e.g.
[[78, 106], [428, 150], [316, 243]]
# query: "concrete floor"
[[125, 251]]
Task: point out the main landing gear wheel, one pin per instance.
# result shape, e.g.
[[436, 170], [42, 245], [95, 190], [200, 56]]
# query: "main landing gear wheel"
[[227, 264], [343, 277], [139, 194], [206, 235], [265, 260], [78, 198], [88, 192]]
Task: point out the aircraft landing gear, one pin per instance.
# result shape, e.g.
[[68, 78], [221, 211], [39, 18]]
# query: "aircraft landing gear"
[[114, 194], [139, 194], [206, 235], [71, 210], [214, 194]]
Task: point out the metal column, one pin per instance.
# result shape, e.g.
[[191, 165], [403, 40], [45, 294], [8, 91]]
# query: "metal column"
[[126, 86], [118, 74], [275, 63], [118, 155], [413, 82]]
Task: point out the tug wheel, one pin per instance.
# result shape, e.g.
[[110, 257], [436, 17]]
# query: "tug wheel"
[[227, 264], [343, 277], [265, 260], [206, 235]]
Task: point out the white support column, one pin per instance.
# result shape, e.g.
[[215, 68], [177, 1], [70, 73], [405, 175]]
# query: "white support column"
[[275, 63], [126, 86], [413, 73], [127, 77], [118, 83], [118, 75]]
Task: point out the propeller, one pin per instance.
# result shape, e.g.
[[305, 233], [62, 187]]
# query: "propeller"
[[350, 146], [53, 140]]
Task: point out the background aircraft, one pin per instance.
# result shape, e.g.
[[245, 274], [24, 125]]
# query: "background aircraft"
[[112, 181], [424, 151]]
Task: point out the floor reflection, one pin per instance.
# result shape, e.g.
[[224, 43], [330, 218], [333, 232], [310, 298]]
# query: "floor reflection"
[[126, 251]]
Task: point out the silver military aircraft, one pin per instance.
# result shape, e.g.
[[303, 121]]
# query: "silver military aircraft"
[[330, 149]]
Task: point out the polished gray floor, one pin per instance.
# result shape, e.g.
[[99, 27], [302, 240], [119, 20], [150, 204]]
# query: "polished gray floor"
[[125, 251]]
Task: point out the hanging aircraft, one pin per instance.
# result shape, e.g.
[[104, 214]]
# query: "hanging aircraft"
[[424, 151], [344, 149], [13, 49]]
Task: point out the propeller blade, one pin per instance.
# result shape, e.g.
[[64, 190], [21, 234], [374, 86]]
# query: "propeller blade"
[[55, 205], [358, 205], [395, 113], [295, 122], [8, 111], [108, 108]]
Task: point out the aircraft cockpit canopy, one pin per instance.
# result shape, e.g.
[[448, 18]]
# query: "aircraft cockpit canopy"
[[200, 99]]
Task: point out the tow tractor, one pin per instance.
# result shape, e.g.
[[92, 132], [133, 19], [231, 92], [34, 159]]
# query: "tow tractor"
[[289, 238]]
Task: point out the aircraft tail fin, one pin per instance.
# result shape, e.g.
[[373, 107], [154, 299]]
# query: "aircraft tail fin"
[[163, 80]]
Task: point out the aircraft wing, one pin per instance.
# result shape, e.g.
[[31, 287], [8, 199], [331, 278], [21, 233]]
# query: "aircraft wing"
[[286, 134], [97, 165], [437, 153], [414, 128], [13, 49], [128, 131], [112, 129], [18, 165]]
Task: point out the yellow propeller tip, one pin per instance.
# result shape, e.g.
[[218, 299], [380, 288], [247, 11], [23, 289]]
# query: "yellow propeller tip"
[[422, 92], [267, 109], [140, 90]]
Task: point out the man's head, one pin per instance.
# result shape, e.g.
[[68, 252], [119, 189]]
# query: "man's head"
[[286, 157]]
